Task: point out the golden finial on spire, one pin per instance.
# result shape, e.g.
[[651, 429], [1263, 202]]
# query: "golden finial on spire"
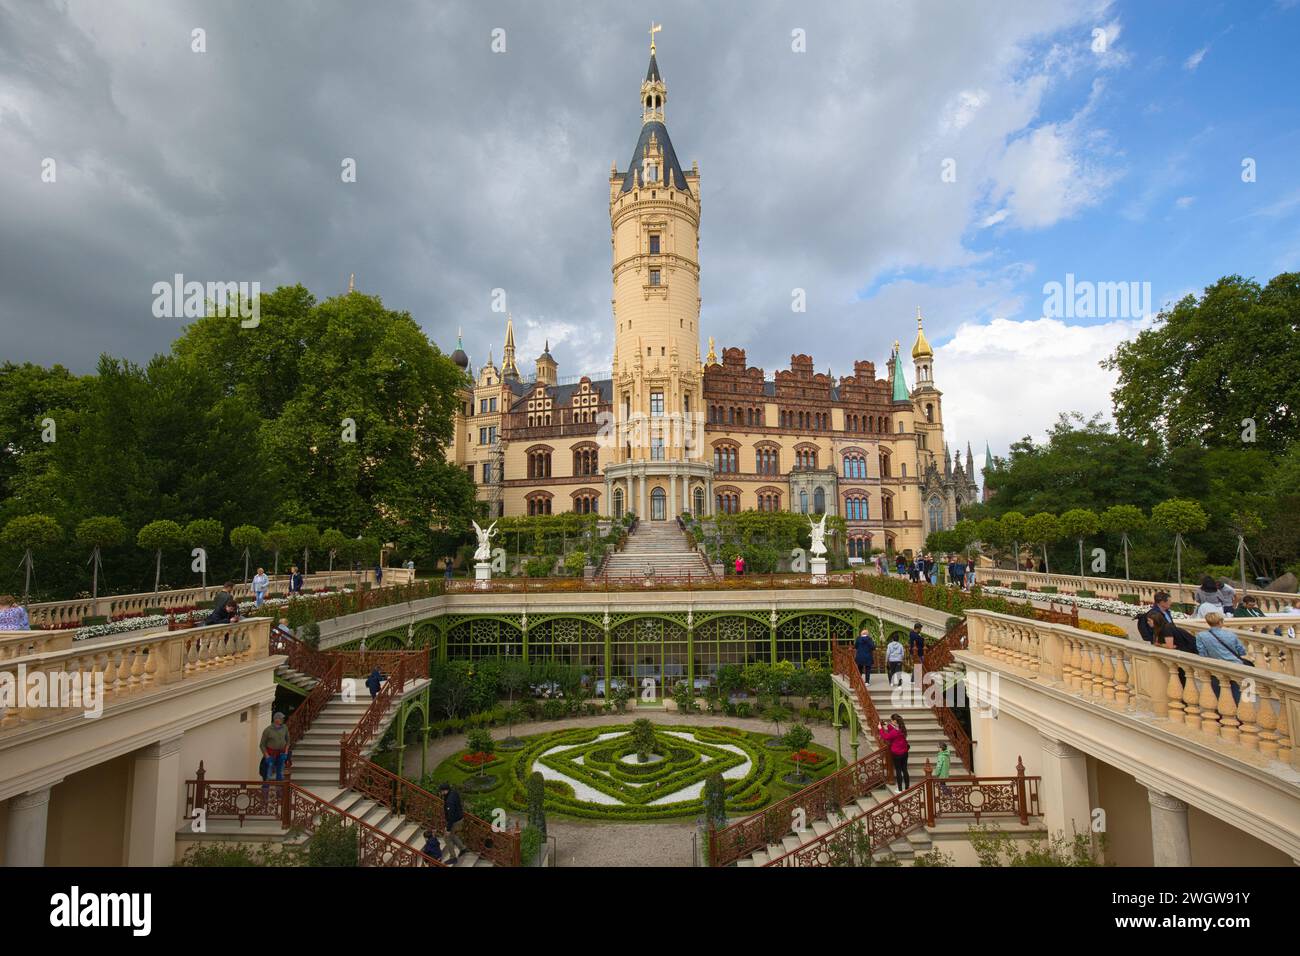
[[654, 28], [921, 349], [713, 356]]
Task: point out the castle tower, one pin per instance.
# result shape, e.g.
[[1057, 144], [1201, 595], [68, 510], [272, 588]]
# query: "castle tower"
[[547, 367], [508, 367], [658, 458], [926, 398]]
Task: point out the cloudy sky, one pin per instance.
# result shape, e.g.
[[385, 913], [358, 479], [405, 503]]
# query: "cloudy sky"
[[879, 156]]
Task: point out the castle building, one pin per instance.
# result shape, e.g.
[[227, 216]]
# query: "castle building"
[[668, 432]]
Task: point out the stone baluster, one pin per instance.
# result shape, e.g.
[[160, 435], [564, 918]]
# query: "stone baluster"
[[1104, 683], [1228, 723], [1210, 705], [191, 656], [1268, 731], [1174, 693], [1248, 718], [1192, 697], [137, 669], [1078, 665], [150, 676], [1123, 697], [1285, 751]]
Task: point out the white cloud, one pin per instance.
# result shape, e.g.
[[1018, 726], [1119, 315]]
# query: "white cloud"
[[1193, 61], [1006, 379], [1183, 202]]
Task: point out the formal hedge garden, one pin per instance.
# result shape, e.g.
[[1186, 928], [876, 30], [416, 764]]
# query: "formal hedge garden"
[[596, 773]]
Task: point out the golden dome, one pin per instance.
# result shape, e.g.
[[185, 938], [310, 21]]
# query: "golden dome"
[[922, 347]]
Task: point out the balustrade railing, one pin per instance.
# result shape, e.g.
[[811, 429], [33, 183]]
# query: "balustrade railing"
[[922, 805], [127, 666], [1270, 602], [56, 615], [1236, 707]]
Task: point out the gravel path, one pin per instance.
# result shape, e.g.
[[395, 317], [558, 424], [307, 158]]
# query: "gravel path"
[[592, 843]]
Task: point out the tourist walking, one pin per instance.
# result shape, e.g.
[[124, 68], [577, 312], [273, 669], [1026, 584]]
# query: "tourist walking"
[[894, 659], [374, 682], [274, 746], [454, 815], [446, 568], [893, 734], [943, 765], [1207, 597], [739, 565], [13, 616], [1217, 643], [260, 584], [379, 574], [864, 654], [295, 580], [431, 845], [916, 641]]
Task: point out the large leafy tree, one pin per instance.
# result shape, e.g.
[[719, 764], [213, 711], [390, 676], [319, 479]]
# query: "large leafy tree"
[[1216, 370], [354, 403]]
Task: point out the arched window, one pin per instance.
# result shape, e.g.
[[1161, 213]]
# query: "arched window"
[[699, 502], [936, 515], [618, 502], [803, 502], [819, 501]]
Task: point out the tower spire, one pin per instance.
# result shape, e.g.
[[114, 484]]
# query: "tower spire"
[[508, 367]]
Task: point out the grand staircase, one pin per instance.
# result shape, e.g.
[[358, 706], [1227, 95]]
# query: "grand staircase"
[[661, 547], [316, 768]]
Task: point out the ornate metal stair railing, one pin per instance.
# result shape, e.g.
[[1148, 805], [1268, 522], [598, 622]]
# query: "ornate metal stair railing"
[[817, 801], [921, 805], [938, 656], [294, 808]]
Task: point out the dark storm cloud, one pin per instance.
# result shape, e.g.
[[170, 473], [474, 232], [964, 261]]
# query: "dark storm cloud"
[[478, 170]]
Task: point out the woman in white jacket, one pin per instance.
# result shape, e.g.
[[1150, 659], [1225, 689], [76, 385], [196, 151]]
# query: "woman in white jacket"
[[260, 583]]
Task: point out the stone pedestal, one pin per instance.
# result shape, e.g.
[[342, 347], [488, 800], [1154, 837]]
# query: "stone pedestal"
[[482, 574], [818, 566], [25, 841]]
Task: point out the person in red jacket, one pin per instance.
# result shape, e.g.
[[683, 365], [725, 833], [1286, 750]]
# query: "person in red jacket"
[[893, 733]]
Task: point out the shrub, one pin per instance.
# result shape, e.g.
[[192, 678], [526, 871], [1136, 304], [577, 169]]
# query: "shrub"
[[333, 844], [530, 844], [575, 562], [643, 738], [1085, 594], [1019, 586], [538, 567], [1100, 627], [554, 709], [1048, 589], [536, 802], [1127, 598]]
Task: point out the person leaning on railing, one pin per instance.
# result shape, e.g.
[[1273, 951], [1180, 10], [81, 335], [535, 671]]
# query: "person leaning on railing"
[[13, 616], [1220, 644]]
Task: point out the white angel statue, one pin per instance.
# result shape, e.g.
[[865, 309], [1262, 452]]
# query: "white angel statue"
[[818, 534], [484, 552]]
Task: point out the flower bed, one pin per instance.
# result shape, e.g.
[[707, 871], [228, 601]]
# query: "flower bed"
[[1121, 608]]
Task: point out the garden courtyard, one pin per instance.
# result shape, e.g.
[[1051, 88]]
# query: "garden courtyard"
[[656, 834]]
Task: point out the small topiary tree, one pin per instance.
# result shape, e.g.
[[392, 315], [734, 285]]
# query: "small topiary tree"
[[480, 742], [797, 738], [714, 815], [248, 538], [1079, 523], [335, 542], [158, 536], [643, 739], [778, 714], [1042, 529], [203, 533], [31, 533], [537, 802], [278, 537], [1179, 516], [98, 533], [1120, 520], [305, 537]]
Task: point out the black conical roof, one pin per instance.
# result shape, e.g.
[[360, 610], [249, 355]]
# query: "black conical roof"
[[652, 73], [672, 174]]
